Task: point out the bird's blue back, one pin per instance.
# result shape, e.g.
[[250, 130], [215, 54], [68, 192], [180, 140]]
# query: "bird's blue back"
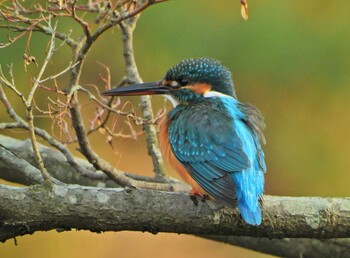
[[216, 139], [250, 182]]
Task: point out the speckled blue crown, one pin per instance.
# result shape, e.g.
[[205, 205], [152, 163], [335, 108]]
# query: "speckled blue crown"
[[203, 70]]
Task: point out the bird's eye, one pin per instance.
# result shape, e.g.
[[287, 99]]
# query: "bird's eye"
[[174, 84], [183, 82]]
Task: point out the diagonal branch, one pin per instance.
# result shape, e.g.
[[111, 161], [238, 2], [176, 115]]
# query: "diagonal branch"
[[78, 123], [22, 124], [72, 170], [27, 173], [29, 105], [20, 167], [134, 77]]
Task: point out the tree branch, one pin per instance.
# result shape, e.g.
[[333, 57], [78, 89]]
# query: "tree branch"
[[77, 119], [131, 209], [60, 167], [133, 76], [29, 105], [20, 168], [43, 207]]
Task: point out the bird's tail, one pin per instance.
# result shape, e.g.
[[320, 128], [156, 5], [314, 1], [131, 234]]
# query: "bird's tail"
[[251, 216], [249, 187]]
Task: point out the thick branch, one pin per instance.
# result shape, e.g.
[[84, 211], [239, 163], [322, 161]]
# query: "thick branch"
[[60, 167], [56, 163], [20, 168], [44, 207]]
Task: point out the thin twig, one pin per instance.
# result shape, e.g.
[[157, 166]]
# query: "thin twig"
[[82, 23], [146, 107], [37, 80], [10, 110], [20, 166], [11, 85], [51, 77], [29, 106], [126, 15], [80, 49], [20, 123]]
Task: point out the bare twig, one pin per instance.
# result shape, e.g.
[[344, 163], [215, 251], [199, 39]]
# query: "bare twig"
[[143, 4], [82, 23], [80, 50], [122, 135], [20, 123], [134, 77], [29, 105], [64, 37], [11, 84], [51, 77]]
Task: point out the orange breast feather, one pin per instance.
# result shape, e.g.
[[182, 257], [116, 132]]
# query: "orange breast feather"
[[170, 157]]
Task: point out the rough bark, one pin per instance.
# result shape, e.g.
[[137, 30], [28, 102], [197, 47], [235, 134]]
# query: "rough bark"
[[41, 207], [25, 210], [60, 168]]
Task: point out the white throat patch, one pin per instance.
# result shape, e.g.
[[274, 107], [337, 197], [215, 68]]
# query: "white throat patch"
[[173, 101], [211, 94]]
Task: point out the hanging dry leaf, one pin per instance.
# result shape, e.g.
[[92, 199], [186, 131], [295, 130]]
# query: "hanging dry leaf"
[[60, 3], [130, 6], [102, 130], [28, 60], [244, 9], [109, 139]]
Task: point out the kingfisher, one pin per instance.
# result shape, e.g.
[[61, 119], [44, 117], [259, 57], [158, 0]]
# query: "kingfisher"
[[211, 139]]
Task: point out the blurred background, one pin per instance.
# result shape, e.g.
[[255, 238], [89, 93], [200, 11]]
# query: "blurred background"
[[290, 59]]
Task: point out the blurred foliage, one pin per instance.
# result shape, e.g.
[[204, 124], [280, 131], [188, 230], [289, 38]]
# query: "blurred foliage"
[[290, 59]]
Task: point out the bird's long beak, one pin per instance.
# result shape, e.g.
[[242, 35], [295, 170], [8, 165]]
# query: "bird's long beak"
[[148, 88]]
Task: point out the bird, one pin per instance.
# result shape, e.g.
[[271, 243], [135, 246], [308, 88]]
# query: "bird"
[[211, 139]]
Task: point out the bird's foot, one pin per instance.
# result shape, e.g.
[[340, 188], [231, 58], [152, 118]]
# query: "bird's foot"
[[194, 193]]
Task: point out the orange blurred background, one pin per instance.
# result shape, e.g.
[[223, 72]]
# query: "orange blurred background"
[[290, 59]]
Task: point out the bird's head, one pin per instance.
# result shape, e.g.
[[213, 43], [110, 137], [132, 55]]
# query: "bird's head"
[[189, 79]]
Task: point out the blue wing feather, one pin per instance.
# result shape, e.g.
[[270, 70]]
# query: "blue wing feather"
[[219, 146]]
